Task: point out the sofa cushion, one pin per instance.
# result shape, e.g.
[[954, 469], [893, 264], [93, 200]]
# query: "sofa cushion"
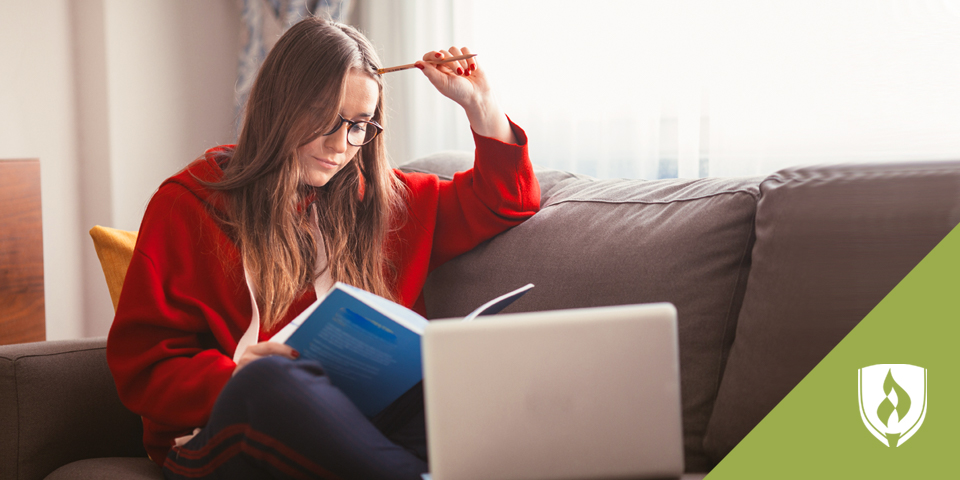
[[110, 468], [831, 243], [65, 408], [613, 242], [114, 249], [445, 164]]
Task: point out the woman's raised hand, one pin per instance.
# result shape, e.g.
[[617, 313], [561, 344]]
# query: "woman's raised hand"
[[464, 82], [265, 349], [461, 80]]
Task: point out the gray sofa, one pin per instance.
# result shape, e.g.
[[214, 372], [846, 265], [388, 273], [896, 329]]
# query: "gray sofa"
[[767, 274]]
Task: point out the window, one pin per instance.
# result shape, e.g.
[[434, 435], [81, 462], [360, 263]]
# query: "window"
[[742, 87]]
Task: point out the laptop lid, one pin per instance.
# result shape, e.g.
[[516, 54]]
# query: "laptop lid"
[[581, 393]]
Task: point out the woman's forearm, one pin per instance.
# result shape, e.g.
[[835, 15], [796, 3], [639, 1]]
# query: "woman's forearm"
[[487, 119], [465, 82]]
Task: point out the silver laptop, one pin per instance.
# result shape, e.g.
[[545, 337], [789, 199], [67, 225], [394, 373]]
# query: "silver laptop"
[[582, 393]]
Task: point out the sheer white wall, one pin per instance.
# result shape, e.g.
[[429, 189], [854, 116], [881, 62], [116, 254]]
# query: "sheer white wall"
[[112, 96], [695, 88]]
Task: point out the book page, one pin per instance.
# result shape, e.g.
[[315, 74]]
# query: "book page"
[[286, 331], [398, 313], [499, 303], [367, 353]]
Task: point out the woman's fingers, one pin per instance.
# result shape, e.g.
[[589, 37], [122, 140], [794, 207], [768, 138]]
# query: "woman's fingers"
[[471, 63], [432, 56], [265, 349], [458, 66], [458, 80], [447, 67]]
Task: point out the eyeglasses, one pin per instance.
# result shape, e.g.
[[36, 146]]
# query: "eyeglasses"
[[359, 133]]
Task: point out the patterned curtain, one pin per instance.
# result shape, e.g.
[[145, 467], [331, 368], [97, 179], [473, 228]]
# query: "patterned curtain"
[[259, 16]]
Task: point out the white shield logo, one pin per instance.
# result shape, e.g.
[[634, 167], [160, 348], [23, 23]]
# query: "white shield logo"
[[893, 401]]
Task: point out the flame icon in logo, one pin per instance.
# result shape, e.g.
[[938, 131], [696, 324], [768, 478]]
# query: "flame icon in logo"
[[887, 409]]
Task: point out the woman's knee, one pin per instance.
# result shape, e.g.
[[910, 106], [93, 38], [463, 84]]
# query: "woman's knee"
[[259, 375], [266, 367], [280, 389], [271, 374]]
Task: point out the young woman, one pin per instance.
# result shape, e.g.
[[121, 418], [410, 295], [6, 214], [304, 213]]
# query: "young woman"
[[241, 241]]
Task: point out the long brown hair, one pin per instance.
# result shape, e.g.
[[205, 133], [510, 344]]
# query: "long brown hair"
[[297, 95]]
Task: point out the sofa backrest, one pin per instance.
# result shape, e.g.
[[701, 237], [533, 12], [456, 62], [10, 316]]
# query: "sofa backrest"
[[613, 242], [832, 241]]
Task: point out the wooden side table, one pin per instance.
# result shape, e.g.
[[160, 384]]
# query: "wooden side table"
[[22, 317]]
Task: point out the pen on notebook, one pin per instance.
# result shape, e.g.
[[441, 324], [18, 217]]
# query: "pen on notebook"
[[381, 71]]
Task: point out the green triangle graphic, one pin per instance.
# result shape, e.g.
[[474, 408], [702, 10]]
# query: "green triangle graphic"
[[817, 432]]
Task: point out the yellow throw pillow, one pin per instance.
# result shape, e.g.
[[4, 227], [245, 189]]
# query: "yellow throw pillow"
[[114, 248]]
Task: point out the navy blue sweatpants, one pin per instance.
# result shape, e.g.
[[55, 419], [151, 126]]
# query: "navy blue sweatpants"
[[279, 418]]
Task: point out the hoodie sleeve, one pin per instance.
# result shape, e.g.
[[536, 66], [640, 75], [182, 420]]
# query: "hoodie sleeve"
[[447, 218], [183, 304], [498, 193]]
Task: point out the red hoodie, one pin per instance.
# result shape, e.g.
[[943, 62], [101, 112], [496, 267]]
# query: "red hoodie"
[[185, 302]]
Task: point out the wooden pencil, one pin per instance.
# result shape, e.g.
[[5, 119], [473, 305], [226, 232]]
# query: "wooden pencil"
[[381, 71]]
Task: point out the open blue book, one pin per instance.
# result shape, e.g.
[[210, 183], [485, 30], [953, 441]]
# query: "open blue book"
[[368, 345]]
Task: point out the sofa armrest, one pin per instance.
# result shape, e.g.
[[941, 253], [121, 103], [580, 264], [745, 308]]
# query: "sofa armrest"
[[58, 404]]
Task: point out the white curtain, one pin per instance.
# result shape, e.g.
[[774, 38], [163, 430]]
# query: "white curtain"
[[419, 120], [264, 21], [697, 88]]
